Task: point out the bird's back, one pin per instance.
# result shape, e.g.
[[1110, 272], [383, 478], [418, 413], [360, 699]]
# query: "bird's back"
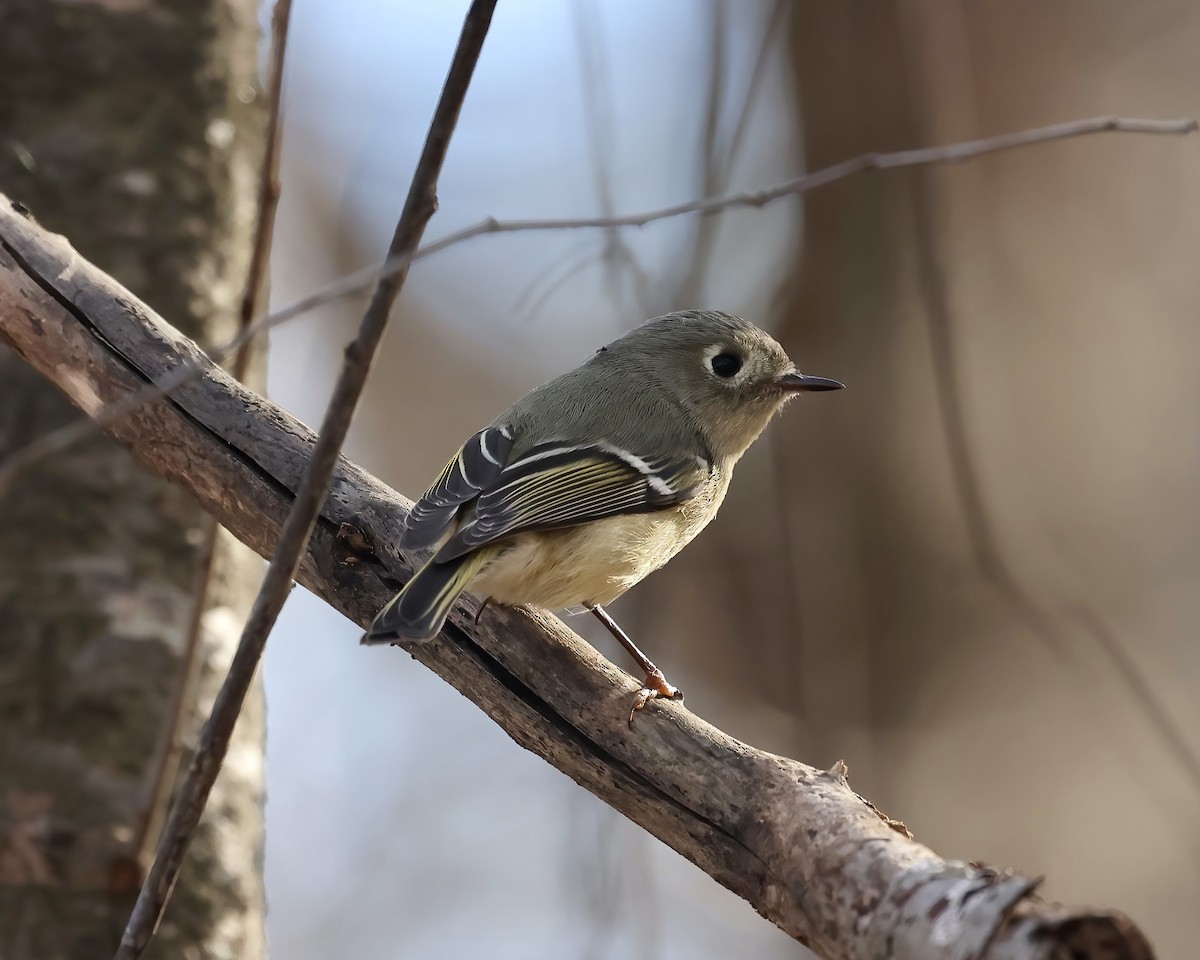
[[647, 423]]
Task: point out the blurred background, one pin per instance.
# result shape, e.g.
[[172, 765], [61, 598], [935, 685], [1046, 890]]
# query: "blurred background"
[[972, 575]]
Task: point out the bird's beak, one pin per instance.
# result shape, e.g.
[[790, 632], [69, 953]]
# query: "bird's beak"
[[794, 380]]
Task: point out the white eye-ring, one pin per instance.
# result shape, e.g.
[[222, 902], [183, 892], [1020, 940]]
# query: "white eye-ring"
[[724, 362]]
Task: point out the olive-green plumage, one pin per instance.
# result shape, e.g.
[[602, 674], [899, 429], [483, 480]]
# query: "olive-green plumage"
[[599, 477]]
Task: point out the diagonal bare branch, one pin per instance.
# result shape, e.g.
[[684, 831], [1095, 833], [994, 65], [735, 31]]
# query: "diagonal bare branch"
[[797, 842]]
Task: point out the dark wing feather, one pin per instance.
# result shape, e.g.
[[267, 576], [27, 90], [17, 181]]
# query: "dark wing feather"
[[475, 468], [557, 485]]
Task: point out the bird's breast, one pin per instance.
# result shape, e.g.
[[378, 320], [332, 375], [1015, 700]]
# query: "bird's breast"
[[595, 562]]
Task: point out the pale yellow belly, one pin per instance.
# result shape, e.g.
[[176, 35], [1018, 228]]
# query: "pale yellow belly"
[[594, 563]]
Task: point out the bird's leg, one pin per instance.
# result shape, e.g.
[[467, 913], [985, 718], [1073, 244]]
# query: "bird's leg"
[[483, 606], [655, 684]]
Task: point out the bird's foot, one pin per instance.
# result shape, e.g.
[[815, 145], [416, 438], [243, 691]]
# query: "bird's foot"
[[655, 687]]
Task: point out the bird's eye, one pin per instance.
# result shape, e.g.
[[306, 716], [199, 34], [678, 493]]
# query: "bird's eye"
[[726, 365]]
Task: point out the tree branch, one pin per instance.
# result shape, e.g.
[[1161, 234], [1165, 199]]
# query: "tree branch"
[[796, 842], [313, 489]]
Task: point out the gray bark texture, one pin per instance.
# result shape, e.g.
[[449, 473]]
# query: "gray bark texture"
[[136, 128], [796, 842]]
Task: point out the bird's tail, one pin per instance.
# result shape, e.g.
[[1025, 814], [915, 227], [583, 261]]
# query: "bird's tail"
[[418, 611]]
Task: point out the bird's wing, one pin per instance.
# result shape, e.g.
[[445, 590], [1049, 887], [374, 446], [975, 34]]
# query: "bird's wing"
[[562, 485], [475, 468]]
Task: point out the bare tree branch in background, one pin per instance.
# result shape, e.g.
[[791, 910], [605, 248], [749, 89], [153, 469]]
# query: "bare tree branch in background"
[[354, 283], [600, 126], [801, 846], [718, 154], [313, 488], [772, 29], [269, 187], [709, 175], [989, 556], [1140, 688], [573, 262]]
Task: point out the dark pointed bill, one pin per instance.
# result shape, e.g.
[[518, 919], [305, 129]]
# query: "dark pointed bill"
[[798, 381]]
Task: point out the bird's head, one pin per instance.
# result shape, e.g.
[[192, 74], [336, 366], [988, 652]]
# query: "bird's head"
[[729, 375]]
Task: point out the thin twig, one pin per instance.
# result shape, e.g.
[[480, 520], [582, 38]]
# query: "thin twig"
[[772, 31], [1177, 742], [716, 170], [838, 171], [709, 174], [269, 187], [314, 488], [534, 295], [169, 752], [359, 280], [600, 128]]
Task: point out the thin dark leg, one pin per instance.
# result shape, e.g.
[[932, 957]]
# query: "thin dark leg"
[[614, 628], [655, 684]]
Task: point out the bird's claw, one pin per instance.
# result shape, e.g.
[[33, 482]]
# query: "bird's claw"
[[655, 687]]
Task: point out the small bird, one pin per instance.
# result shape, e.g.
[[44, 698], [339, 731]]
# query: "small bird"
[[597, 478]]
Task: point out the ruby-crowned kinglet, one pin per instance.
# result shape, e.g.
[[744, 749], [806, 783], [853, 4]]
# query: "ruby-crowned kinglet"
[[597, 478]]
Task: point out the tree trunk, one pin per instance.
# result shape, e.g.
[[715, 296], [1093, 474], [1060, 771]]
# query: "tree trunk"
[[134, 128]]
